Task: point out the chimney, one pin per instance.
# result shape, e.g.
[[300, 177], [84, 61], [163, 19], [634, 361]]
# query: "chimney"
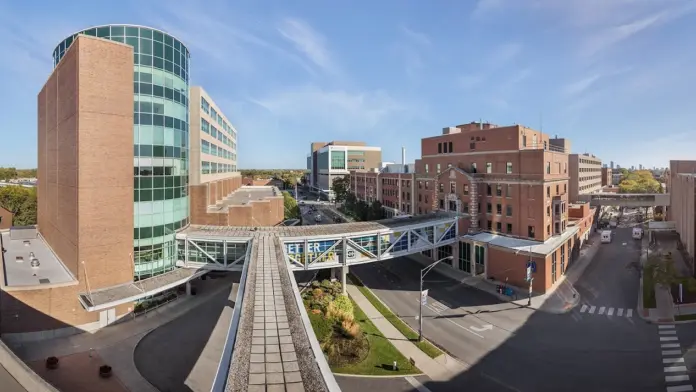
[[403, 156]]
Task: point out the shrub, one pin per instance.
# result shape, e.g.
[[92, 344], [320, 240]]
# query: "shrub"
[[317, 293], [334, 313], [344, 304], [322, 326], [350, 329]]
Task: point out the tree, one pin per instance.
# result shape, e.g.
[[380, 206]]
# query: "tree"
[[292, 210], [21, 202], [340, 188], [640, 181], [375, 212]]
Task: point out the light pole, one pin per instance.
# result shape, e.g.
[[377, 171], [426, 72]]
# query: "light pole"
[[424, 272]]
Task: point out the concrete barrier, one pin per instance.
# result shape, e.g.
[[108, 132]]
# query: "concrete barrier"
[[26, 377]]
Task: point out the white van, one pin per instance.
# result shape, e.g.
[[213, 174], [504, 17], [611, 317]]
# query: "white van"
[[606, 236], [637, 233]]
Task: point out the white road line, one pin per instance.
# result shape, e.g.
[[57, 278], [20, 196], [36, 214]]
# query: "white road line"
[[675, 369], [619, 312], [592, 308], [671, 352], [601, 310], [665, 326], [583, 309], [610, 312], [668, 338], [680, 388], [416, 384], [629, 313], [681, 377], [672, 360], [668, 332], [670, 345]]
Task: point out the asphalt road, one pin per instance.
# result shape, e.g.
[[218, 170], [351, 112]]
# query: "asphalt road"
[[511, 348]]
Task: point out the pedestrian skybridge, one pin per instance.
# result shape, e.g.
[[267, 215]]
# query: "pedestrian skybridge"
[[270, 328], [626, 199]]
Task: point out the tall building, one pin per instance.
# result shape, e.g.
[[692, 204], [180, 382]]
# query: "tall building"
[[160, 138], [585, 175], [681, 186], [328, 161], [611, 165], [607, 177]]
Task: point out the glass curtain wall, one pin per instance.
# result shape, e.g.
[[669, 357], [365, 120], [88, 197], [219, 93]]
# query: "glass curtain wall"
[[160, 140]]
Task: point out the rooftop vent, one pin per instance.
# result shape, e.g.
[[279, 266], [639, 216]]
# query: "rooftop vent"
[[19, 259], [31, 255], [44, 281], [35, 263], [27, 242]]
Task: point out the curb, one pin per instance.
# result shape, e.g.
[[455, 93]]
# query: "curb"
[[378, 377]]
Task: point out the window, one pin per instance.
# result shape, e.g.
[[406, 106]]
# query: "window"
[[453, 187], [453, 206], [530, 231], [548, 211], [442, 204], [524, 140], [449, 144], [498, 227], [426, 168], [472, 146], [465, 256], [509, 228], [565, 188], [489, 208], [508, 191], [563, 259], [420, 198], [508, 210], [466, 189], [558, 189], [508, 168], [499, 209], [438, 168], [548, 167], [553, 268], [489, 167], [440, 187], [473, 167], [498, 190], [548, 191], [488, 189], [548, 229], [439, 148], [489, 225]]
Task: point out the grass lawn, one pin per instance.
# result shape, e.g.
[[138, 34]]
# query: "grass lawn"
[[425, 346], [648, 291], [684, 317], [381, 356]]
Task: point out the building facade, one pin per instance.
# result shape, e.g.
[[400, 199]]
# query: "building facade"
[[328, 161], [396, 191], [607, 177], [585, 175], [681, 185], [160, 137]]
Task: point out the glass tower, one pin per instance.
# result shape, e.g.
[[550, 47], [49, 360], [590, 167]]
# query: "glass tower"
[[160, 140]]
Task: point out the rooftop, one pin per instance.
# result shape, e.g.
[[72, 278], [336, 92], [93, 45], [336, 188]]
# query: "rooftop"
[[245, 195], [21, 246], [524, 245]]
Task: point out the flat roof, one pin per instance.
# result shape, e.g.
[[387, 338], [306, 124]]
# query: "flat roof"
[[17, 260], [287, 232], [246, 194], [523, 245]]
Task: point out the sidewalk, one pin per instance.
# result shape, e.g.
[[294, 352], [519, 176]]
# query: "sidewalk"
[[117, 342], [560, 298], [443, 368]]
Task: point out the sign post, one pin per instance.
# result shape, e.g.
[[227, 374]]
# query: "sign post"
[[423, 302]]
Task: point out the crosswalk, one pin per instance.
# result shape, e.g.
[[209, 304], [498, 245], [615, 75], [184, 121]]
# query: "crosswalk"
[[606, 311], [436, 306], [676, 372]]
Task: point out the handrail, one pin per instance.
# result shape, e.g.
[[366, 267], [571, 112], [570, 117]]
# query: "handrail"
[[223, 370]]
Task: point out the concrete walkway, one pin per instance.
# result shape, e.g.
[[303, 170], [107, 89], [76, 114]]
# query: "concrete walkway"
[[443, 368], [116, 343], [560, 298]]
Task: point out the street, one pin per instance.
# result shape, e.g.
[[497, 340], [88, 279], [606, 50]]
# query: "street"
[[512, 348]]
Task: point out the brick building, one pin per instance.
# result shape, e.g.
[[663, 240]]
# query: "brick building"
[[607, 177], [396, 191]]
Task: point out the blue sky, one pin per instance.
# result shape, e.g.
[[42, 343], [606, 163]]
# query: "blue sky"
[[615, 76]]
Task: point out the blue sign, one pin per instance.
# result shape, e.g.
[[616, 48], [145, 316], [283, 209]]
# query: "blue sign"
[[314, 249], [533, 266]]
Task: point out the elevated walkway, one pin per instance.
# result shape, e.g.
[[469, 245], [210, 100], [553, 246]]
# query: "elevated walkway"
[[626, 199]]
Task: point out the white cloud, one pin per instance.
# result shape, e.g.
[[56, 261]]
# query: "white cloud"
[[336, 110], [499, 58], [309, 42], [582, 85], [417, 37]]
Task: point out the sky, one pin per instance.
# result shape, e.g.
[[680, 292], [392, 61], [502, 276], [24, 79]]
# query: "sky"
[[615, 76]]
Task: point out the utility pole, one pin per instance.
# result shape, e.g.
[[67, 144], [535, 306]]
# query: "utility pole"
[[424, 294]]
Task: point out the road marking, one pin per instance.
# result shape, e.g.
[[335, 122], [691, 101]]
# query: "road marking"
[[610, 312], [486, 327], [592, 308], [680, 388], [583, 309], [682, 377], [670, 345], [601, 310], [629, 313], [665, 332], [416, 384], [672, 360], [619, 312], [495, 380], [672, 352], [666, 326], [668, 338], [674, 369]]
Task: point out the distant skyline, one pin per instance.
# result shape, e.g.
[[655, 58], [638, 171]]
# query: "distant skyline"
[[616, 77]]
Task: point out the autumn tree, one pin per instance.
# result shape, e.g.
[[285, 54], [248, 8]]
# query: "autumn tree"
[[21, 202], [640, 181]]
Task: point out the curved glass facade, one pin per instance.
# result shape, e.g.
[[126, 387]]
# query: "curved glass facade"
[[160, 140]]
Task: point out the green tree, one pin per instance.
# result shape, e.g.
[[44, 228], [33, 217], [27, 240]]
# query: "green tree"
[[292, 210], [340, 188], [640, 181], [375, 211], [21, 202]]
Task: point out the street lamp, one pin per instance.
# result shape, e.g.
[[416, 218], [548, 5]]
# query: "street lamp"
[[424, 272]]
